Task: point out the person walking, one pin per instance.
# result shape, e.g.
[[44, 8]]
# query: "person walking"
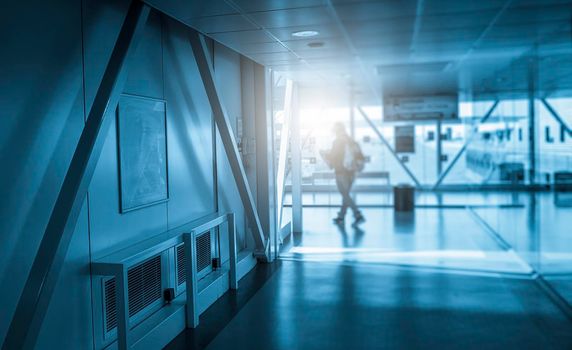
[[346, 158]]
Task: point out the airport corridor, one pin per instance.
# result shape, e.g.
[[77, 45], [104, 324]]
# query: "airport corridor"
[[177, 174]]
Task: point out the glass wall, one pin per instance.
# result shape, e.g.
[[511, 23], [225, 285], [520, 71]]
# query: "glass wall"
[[554, 163], [497, 147], [511, 144], [473, 150]]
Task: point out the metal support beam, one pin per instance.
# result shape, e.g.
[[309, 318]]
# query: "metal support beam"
[[556, 116], [220, 116], [50, 258], [122, 298], [391, 150], [191, 279], [264, 131], [467, 143], [296, 151], [532, 147], [304, 143], [283, 152], [439, 139], [232, 251]]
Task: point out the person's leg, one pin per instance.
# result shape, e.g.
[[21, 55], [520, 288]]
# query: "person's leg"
[[351, 203], [343, 188]]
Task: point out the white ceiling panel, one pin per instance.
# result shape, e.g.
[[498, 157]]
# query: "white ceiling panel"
[[272, 5], [326, 31], [358, 29], [185, 10], [292, 17], [274, 57], [377, 10], [242, 37], [461, 8], [218, 24], [256, 48], [454, 22]]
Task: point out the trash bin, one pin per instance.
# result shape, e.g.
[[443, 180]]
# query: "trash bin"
[[403, 198]]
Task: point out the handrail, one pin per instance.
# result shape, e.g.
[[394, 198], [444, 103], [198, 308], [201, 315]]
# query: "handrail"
[[118, 263]]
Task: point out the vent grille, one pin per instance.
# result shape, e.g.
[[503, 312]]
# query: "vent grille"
[[110, 305], [144, 282], [204, 258], [181, 270], [143, 289]]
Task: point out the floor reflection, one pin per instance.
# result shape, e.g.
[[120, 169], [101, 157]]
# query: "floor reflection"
[[334, 306], [532, 238]]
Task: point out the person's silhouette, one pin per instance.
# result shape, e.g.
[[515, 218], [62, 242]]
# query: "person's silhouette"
[[346, 159]]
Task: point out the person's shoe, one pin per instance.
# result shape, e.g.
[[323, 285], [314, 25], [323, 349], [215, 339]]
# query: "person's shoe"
[[338, 220], [358, 220]]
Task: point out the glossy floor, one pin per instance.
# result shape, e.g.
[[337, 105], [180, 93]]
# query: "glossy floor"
[[457, 276], [439, 238], [309, 305]]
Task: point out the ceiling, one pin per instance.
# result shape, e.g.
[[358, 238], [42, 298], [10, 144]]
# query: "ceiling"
[[478, 48]]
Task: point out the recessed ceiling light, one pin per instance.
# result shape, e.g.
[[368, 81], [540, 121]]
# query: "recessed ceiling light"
[[305, 33]]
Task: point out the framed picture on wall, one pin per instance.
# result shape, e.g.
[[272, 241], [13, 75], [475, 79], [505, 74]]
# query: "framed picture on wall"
[[141, 152]]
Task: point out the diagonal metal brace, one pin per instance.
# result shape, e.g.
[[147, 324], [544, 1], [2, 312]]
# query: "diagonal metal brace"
[[391, 150], [220, 116], [556, 116], [40, 284], [467, 143]]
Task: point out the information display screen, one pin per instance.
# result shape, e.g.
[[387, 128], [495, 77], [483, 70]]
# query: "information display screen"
[[416, 108]]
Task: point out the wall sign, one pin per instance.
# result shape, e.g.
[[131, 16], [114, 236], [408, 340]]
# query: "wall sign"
[[405, 139]]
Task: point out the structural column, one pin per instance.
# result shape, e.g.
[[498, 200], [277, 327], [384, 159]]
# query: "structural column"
[[439, 139], [266, 182], [532, 72], [296, 152]]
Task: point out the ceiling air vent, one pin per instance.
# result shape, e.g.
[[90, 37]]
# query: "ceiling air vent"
[[143, 289]]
